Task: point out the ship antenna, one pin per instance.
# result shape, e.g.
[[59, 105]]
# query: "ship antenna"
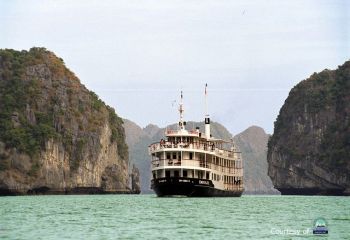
[[181, 110], [206, 100], [207, 118]]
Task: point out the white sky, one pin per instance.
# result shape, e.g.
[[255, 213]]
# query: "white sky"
[[137, 55]]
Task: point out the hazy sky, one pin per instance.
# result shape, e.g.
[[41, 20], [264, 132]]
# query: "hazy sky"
[[138, 55]]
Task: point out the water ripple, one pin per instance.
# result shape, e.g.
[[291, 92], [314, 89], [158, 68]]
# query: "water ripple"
[[149, 217]]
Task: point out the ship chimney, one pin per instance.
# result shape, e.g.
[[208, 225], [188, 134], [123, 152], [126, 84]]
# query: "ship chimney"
[[207, 118]]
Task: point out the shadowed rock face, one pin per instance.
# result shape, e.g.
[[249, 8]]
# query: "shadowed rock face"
[[310, 148], [252, 142], [56, 136]]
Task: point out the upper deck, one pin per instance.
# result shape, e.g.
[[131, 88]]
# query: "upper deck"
[[183, 140]]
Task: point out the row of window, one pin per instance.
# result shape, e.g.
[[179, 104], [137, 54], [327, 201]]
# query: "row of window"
[[232, 180], [216, 177], [217, 161], [174, 155], [184, 174], [226, 179]]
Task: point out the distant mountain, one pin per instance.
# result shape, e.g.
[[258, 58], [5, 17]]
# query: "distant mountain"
[[151, 130], [138, 141], [253, 144], [253, 151]]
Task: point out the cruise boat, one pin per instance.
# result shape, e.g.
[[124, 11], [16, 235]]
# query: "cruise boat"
[[194, 164]]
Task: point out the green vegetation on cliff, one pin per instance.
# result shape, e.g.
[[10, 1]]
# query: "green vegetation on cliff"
[[15, 94], [325, 98], [40, 99]]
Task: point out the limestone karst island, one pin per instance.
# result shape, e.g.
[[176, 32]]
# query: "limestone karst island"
[[56, 136], [309, 151]]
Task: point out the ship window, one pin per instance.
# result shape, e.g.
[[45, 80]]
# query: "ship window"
[[184, 173], [174, 155], [167, 174], [191, 156], [154, 175], [207, 176], [176, 173], [168, 156]]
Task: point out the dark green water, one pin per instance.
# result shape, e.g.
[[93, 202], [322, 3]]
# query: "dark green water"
[[149, 217]]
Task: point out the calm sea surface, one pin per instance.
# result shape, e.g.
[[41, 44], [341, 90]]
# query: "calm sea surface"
[[149, 217]]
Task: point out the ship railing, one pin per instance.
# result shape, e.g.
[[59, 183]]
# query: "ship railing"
[[171, 131], [195, 146], [194, 132]]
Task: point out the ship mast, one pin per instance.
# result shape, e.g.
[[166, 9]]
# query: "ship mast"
[[207, 118], [181, 111]]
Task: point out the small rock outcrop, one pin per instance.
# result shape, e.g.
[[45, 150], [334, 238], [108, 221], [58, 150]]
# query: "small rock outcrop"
[[135, 180], [309, 150], [56, 136]]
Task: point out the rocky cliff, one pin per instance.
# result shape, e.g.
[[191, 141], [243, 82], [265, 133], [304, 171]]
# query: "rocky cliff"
[[310, 148], [56, 136], [252, 142]]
